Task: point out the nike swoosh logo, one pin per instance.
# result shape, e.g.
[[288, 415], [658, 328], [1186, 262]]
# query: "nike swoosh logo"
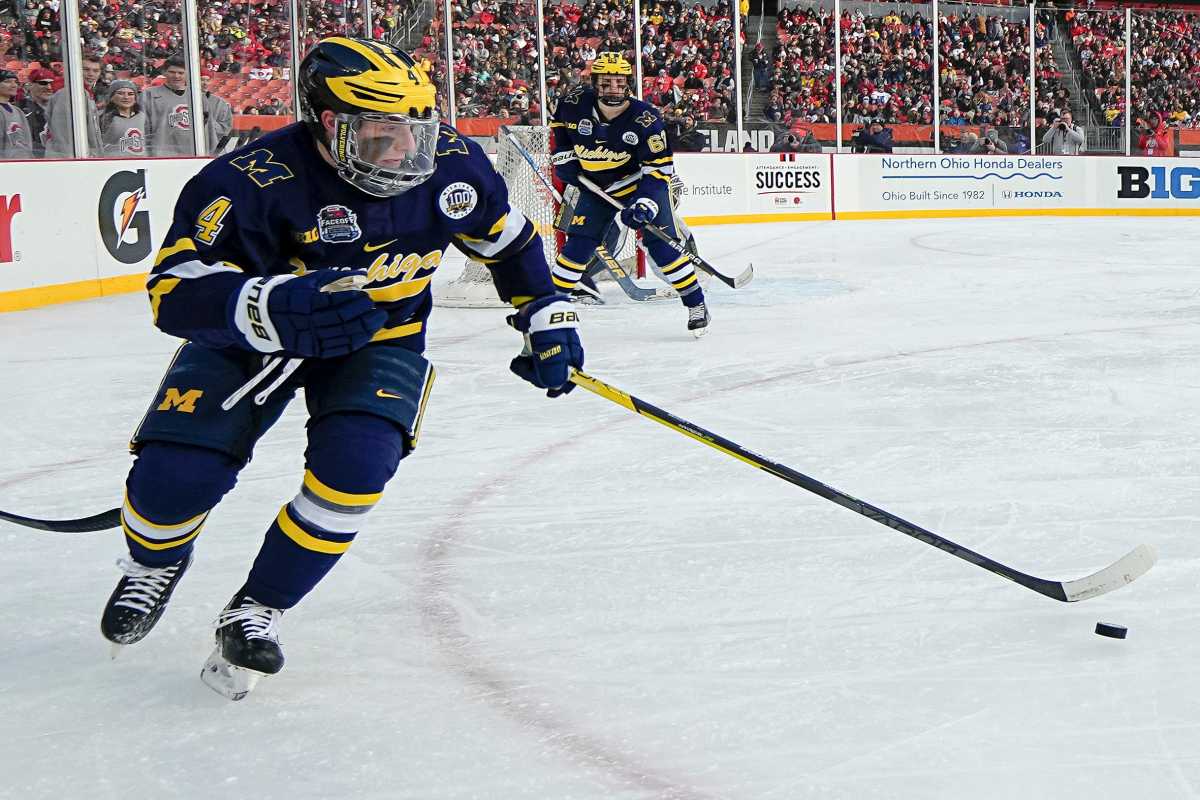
[[371, 248], [388, 395]]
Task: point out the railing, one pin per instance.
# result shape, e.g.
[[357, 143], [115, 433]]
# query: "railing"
[[758, 35]]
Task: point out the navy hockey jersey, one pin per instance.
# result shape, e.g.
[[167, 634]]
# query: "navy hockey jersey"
[[276, 207], [615, 154]]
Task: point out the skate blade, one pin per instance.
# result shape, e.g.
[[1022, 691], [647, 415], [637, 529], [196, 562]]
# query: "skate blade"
[[232, 683], [115, 650], [698, 332]]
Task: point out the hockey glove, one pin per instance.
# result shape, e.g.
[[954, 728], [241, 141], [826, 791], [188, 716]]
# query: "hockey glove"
[[304, 316], [553, 344], [566, 168], [640, 212]]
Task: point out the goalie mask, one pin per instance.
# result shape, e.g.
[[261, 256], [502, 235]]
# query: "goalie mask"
[[385, 124], [611, 64]]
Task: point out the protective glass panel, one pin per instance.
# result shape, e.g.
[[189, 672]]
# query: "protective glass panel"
[[687, 58], [31, 72], [496, 65], [1166, 93], [246, 56], [428, 45], [984, 81], [887, 77], [793, 80]]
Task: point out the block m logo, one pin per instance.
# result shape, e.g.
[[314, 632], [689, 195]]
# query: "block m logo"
[[174, 400]]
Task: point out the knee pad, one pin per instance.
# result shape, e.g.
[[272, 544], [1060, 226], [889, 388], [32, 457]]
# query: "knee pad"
[[363, 450], [174, 482]]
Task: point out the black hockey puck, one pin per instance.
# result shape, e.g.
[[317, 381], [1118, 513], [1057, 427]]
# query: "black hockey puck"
[[1111, 631]]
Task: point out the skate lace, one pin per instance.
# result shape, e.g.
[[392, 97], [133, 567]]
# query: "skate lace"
[[258, 621], [696, 313], [146, 584]]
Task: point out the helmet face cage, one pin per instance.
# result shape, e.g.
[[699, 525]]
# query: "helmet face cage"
[[610, 100], [363, 145]]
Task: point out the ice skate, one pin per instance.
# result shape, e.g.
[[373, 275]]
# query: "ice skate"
[[247, 648], [586, 293], [698, 319], [138, 601]]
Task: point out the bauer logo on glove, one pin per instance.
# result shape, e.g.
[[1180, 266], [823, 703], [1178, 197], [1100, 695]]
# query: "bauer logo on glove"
[[549, 324]]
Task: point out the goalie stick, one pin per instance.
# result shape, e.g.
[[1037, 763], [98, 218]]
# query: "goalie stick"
[[1124, 570], [736, 282], [632, 290]]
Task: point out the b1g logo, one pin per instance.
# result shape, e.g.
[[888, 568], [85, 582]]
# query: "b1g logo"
[[1159, 183], [10, 206], [123, 219]]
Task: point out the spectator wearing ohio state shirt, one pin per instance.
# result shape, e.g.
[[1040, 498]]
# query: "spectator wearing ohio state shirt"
[[218, 117], [15, 141], [39, 87], [168, 120], [123, 123], [58, 115]]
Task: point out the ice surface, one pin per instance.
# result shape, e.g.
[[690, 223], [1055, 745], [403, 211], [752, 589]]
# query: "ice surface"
[[557, 599]]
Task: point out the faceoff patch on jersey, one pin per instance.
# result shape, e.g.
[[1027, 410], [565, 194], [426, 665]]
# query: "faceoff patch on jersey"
[[336, 224], [458, 199], [629, 138], [584, 127]]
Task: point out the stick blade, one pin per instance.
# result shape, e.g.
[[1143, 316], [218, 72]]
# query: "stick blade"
[[97, 522], [744, 278], [1125, 570]]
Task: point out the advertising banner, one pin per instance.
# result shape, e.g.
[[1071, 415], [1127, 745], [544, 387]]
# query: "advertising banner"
[[878, 186], [1158, 185], [106, 223], [754, 187]]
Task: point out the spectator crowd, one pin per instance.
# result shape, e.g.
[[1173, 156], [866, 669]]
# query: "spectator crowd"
[[686, 59]]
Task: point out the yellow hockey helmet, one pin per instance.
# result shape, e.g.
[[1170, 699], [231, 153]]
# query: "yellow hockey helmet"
[[612, 63]]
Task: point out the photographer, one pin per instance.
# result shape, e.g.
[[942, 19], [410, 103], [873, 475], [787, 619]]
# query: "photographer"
[[790, 143], [873, 139], [1064, 138], [990, 142]]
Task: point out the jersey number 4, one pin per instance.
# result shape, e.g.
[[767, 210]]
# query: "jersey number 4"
[[209, 223]]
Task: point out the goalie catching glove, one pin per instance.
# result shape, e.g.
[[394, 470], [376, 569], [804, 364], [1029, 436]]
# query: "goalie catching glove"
[[305, 315], [549, 324]]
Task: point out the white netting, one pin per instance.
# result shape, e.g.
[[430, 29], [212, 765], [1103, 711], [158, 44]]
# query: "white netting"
[[526, 191]]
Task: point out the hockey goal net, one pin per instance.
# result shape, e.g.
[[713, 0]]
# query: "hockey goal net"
[[527, 192]]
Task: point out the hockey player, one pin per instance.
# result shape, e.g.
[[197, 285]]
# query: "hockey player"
[[620, 144], [254, 267]]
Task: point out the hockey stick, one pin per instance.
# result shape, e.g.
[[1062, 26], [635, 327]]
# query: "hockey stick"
[[1125, 570], [631, 289], [97, 522], [637, 293], [735, 282]]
